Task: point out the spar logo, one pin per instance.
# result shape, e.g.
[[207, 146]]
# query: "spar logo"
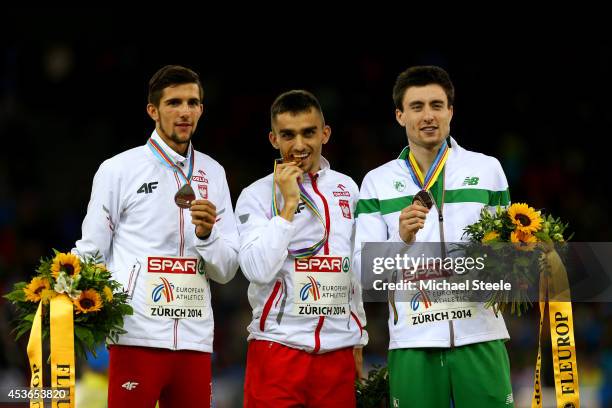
[[332, 264], [159, 264], [418, 298], [312, 287], [165, 289]]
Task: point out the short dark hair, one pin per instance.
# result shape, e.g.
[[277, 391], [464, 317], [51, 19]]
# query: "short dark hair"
[[294, 102], [171, 75], [421, 76]]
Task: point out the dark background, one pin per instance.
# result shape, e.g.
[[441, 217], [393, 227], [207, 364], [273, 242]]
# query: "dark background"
[[73, 90]]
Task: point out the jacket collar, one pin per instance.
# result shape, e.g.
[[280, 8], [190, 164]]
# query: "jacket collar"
[[174, 156]]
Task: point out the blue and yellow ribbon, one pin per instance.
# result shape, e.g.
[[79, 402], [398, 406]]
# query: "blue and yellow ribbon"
[[434, 171]]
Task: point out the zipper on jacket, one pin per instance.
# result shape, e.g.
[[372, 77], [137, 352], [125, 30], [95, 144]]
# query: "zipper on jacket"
[[451, 327], [317, 334], [313, 180], [176, 322]]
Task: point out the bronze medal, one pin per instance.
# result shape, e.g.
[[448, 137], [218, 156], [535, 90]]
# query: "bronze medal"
[[184, 196], [424, 198]]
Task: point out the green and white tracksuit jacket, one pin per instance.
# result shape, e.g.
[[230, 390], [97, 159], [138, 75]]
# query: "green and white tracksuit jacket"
[[469, 182]]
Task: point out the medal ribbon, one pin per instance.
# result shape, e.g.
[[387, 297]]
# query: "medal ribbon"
[[310, 203], [163, 157], [434, 171]]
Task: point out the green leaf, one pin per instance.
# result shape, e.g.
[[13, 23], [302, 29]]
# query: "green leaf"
[[84, 335]]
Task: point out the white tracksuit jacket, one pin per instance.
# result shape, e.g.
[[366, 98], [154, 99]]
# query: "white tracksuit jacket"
[[134, 223], [266, 263], [471, 181]]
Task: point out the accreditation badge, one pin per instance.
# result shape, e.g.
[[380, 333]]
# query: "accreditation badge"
[[427, 303], [321, 286], [176, 287]]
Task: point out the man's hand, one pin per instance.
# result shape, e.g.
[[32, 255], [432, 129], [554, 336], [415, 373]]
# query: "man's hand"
[[203, 216], [411, 220], [358, 356], [287, 177]]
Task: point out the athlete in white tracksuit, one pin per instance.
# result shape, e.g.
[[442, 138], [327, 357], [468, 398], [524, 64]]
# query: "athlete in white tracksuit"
[[296, 241], [142, 234], [440, 353], [164, 255], [385, 191], [278, 314]]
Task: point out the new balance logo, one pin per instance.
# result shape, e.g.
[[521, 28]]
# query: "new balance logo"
[[300, 207], [470, 181], [129, 385], [147, 187]]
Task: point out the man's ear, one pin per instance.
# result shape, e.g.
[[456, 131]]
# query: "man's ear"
[[273, 140], [326, 134], [399, 116], [153, 112]]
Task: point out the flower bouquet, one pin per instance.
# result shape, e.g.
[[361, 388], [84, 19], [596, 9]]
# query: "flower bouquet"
[[373, 392], [99, 304], [518, 243]]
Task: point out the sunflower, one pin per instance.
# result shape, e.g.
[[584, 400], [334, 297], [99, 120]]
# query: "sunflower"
[[490, 236], [89, 301], [34, 289], [526, 241], [524, 217], [68, 263], [108, 294]]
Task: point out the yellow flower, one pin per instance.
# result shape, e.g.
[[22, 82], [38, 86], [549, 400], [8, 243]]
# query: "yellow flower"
[[490, 236], [89, 301], [524, 217], [525, 241], [108, 294], [34, 289], [68, 263]]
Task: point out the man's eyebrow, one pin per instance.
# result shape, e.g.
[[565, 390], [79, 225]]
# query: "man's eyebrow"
[[286, 131], [415, 103]]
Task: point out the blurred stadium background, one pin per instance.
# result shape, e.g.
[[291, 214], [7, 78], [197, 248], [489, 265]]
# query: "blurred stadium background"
[[73, 93]]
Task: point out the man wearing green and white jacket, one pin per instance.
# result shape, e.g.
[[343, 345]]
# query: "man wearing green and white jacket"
[[446, 360]]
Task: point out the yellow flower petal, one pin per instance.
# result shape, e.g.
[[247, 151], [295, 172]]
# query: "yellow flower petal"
[[525, 218], [89, 301], [35, 288], [108, 294], [68, 263]]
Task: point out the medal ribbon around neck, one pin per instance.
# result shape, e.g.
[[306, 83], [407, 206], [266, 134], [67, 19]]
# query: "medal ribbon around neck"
[[163, 157], [310, 203], [434, 171]]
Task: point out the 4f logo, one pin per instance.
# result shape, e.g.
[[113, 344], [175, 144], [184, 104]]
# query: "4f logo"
[[147, 187], [300, 207], [129, 385], [470, 181]]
